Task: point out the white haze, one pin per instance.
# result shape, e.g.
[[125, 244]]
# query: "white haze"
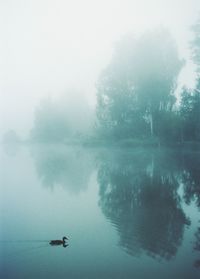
[[48, 46]]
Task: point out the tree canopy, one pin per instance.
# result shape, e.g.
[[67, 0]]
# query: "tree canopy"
[[190, 98], [195, 45], [138, 83]]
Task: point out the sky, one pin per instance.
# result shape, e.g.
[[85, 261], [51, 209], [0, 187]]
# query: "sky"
[[49, 47]]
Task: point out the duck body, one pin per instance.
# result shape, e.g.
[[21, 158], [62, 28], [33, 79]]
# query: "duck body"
[[59, 242]]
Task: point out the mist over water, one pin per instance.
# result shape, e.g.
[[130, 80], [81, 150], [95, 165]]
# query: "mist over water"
[[100, 139], [125, 213]]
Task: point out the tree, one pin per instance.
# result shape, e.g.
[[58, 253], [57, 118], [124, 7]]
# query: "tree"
[[11, 137], [190, 114], [50, 123], [195, 46], [190, 98], [139, 81], [186, 107], [67, 116]]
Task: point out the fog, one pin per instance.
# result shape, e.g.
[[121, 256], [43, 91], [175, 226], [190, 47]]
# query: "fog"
[[51, 48], [100, 139]]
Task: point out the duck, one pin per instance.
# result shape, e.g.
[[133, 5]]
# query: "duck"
[[59, 242]]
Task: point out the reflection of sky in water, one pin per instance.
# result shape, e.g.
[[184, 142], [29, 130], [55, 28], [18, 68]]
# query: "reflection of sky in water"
[[106, 186]]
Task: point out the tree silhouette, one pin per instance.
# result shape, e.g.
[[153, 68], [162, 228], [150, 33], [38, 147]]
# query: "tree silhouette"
[[137, 84], [139, 197]]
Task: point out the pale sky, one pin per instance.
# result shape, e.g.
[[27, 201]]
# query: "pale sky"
[[48, 46]]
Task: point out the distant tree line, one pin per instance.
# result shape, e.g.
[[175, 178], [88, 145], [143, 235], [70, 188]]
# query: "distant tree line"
[[136, 97], [64, 118]]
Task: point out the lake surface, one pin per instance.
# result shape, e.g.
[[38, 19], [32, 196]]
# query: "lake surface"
[[127, 213]]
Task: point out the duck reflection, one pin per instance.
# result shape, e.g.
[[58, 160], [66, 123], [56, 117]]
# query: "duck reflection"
[[61, 166], [138, 194]]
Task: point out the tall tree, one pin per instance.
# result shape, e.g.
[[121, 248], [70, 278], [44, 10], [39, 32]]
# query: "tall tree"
[[139, 81], [195, 46], [190, 99], [190, 113]]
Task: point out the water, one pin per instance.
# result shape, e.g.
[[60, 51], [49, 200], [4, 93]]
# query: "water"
[[127, 213]]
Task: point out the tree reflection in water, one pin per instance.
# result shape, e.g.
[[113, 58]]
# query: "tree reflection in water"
[[63, 166], [191, 177], [138, 194], [197, 247]]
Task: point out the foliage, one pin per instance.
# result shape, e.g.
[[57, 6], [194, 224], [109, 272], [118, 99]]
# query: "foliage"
[[168, 126], [50, 123], [137, 84], [195, 45], [190, 113], [11, 137], [66, 118]]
